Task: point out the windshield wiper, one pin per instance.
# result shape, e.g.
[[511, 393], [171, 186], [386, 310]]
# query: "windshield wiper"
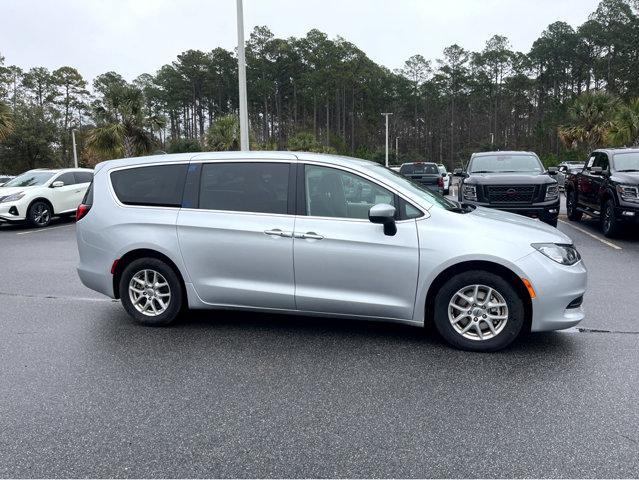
[[629, 170], [482, 171]]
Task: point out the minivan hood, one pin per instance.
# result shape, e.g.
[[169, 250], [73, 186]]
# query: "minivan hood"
[[509, 179], [506, 223]]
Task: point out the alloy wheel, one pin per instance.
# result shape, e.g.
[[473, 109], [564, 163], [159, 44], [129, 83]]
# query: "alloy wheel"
[[149, 292], [41, 214], [478, 312]]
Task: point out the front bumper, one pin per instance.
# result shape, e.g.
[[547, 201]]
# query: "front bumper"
[[556, 287], [628, 212], [12, 212], [546, 211]]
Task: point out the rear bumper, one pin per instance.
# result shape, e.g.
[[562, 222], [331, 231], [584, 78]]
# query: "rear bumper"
[[556, 286]]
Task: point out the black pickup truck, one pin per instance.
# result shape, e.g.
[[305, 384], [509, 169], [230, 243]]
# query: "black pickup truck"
[[513, 181], [426, 174], [607, 188]]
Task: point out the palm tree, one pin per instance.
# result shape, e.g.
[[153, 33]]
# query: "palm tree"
[[590, 119], [123, 129], [224, 134], [6, 120], [624, 129]]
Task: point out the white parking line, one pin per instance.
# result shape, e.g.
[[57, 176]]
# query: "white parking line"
[[592, 235], [43, 230]]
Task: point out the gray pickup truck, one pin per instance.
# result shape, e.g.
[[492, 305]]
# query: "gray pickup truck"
[[426, 174]]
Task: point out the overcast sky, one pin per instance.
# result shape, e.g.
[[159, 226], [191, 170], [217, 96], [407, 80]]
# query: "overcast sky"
[[139, 36]]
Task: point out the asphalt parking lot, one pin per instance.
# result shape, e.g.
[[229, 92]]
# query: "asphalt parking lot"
[[85, 393]]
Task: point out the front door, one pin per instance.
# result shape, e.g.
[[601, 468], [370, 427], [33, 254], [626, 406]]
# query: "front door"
[[237, 239], [66, 198], [344, 264]]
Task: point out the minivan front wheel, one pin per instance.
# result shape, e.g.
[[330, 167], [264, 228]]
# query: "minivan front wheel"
[[478, 311], [150, 292]]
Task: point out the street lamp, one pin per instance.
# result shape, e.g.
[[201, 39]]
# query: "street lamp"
[[387, 114], [241, 67], [75, 150]]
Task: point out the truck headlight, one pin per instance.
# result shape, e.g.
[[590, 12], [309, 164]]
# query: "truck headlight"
[[12, 198], [470, 192], [552, 192], [629, 193], [559, 252]]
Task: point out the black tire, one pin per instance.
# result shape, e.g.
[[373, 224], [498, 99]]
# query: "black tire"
[[174, 286], [571, 207], [446, 191], [610, 226], [39, 214], [510, 330]]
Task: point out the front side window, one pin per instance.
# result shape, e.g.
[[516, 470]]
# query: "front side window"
[[153, 186], [334, 193], [30, 179], [258, 187], [601, 160], [505, 164], [66, 178]]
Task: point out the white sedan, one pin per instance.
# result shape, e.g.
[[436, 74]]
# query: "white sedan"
[[37, 195]]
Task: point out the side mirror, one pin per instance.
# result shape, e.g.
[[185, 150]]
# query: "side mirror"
[[596, 170], [384, 214], [458, 172], [57, 184], [553, 170], [444, 175]]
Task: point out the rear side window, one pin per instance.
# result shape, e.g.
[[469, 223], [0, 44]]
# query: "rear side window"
[[88, 197], [259, 187], [83, 177], [154, 186]]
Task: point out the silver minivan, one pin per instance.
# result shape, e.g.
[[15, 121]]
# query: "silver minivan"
[[319, 235]]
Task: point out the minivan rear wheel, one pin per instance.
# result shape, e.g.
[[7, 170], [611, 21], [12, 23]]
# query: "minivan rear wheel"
[[151, 292], [478, 311]]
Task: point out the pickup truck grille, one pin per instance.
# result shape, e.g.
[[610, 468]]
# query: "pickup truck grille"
[[511, 193]]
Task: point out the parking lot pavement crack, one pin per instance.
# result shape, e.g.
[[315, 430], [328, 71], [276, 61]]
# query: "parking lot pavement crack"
[[597, 330], [55, 297]]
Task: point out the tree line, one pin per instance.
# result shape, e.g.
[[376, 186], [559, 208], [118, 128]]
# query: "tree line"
[[574, 90]]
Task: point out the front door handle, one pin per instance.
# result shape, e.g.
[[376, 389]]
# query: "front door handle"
[[309, 235], [276, 232]]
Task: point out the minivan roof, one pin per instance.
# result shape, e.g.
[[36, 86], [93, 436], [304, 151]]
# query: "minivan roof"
[[250, 155]]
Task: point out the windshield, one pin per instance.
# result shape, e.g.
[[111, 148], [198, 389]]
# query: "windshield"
[[505, 164], [30, 179], [413, 168], [627, 162], [415, 188]]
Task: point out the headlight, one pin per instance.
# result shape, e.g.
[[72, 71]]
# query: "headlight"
[[470, 192], [552, 192], [629, 193], [559, 252], [12, 198]]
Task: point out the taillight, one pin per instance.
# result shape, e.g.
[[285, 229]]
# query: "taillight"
[[82, 211], [440, 182]]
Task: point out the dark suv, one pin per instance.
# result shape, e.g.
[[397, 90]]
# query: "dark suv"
[[513, 181], [607, 188]]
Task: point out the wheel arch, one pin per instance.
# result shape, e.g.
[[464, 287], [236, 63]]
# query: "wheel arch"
[[136, 254], [485, 265], [40, 199]]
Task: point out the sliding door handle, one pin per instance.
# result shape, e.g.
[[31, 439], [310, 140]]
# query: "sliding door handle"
[[276, 232], [309, 236]]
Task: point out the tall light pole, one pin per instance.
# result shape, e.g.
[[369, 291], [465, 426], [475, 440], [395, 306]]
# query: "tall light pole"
[[387, 114], [75, 150], [397, 150], [241, 67]]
